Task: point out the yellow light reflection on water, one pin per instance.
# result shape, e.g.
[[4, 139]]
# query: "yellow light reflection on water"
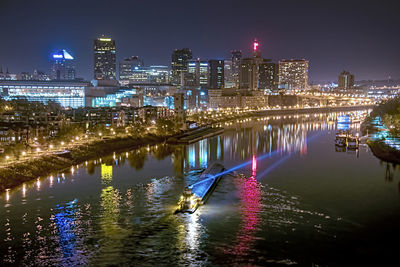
[[106, 173]]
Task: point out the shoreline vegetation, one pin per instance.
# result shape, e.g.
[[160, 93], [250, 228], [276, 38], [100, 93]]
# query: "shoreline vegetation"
[[384, 152], [19, 172], [388, 114]]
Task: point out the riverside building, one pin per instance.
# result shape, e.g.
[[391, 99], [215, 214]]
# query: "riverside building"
[[293, 74]]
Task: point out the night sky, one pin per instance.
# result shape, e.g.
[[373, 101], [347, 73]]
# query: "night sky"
[[360, 36]]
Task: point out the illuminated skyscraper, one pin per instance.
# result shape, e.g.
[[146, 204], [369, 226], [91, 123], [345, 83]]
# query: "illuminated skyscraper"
[[248, 78], [236, 61], [104, 59], [179, 64], [216, 74], [62, 66], [345, 80], [293, 74]]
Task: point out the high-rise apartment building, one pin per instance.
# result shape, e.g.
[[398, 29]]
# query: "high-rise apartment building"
[[62, 67], [236, 61], [216, 74], [104, 59], [179, 64], [293, 74], [345, 80]]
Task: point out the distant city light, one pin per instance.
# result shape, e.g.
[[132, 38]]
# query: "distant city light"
[[255, 45]]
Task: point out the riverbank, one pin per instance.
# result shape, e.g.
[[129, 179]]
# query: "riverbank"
[[384, 152], [18, 173]]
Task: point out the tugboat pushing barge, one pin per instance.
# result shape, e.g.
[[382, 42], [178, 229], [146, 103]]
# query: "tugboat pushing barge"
[[198, 193]]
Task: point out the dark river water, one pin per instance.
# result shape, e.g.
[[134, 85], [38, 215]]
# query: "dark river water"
[[293, 199]]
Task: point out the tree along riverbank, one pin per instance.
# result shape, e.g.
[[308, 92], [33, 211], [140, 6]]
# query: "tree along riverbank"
[[384, 152], [384, 123]]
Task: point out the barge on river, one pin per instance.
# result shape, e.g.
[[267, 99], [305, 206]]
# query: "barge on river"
[[198, 193]]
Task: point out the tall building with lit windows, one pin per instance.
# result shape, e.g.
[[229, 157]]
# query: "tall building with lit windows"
[[179, 64], [248, 76], [228, 77], [104, 59], [293, 74], [345, 80], [216, 74], [236, 61], [128, 65], [267, 75], [62, 67], [197, 73]]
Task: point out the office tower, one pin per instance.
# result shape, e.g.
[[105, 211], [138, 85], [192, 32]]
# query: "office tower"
[[228, 78], [62, 66], [236, 61], [128, 65], [267, 75], [158, 74], [293, 74], [216, 74], [104, 59], [197, 73], [179, 64], [248, 74], [345, 80]]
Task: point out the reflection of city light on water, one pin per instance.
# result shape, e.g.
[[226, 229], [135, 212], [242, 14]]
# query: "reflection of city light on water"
[[250, 207], [265, 156], [193, 233], [23, 190], [106, 173], [38, 184], [51, 178], [7, 195]]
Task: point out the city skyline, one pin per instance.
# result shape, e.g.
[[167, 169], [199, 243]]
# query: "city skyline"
[[342, 39]]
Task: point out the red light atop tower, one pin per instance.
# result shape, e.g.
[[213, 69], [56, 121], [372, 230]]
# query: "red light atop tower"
[[255, 45]]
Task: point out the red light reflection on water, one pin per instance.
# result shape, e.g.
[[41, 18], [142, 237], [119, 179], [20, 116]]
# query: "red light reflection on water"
[[250, 195]]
